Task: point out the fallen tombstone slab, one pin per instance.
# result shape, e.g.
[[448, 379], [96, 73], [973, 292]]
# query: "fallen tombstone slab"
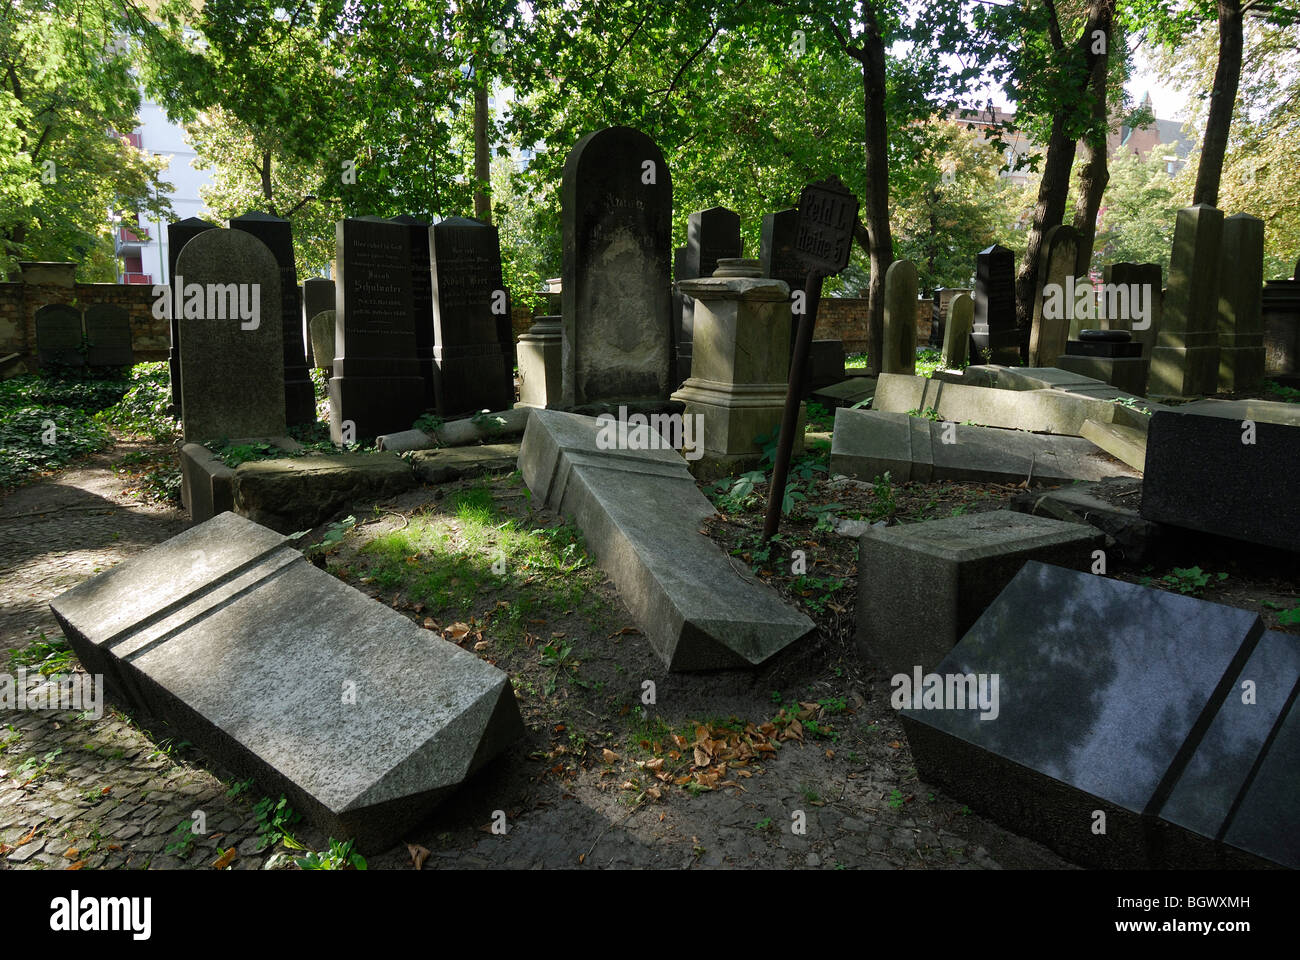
[[845, 393], [297, 493], [1123, 443], [867, 444], [1269, 411], [453, 463], [921, 586], [641, 514], [284, 674], [1110, 505], [475, 429], [1224, 476], [1104, 692]]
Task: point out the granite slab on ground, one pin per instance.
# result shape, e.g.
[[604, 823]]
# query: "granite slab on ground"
[[1114, 700], [285, 674], [868, 443], [641, 514]]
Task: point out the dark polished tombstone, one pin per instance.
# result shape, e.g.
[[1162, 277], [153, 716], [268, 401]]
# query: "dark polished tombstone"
[[58, 335], [178, 234], [108, 336], [317, 297], [679, 308], [376, 387], [469, 299], [994, 328], [421, 301], [1228, 477], [276, 233], [778, 258], [1105, 689], [617, 201], [711, 235]]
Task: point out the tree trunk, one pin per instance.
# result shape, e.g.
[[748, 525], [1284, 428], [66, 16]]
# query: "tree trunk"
[[267, 191], [1095, 173], [880, 239], [1222, 100], [482, 169]]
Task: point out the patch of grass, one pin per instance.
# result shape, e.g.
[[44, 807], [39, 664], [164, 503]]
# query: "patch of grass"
[[340, 856], [183, 840], [819, 418], [856, 361], [47, 656], [1286, 394], [1187, 580]]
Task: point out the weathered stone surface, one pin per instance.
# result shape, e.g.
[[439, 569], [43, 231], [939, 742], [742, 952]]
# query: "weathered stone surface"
[[178, 234], [322, 339], [452, 463], [1202, 476], [1148, 279], [232, 369], [921, 586], [1123, 443], [641, 512], [540, 355], [1123, 373], [58, 334], [1185, 359], [297, 493], [1241, 287], [845, 393], [285, 674], [616, 201], [868, 443], [108, 336], [1269, 411], [1105, 690], [1110, 505], [994, 329], [957, 330], [207, 484], [1051, 327], [711, 235], [899, 354], [317, 297], [480, 429]]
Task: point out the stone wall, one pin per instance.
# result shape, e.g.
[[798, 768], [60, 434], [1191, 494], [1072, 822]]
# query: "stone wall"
[[845, 318], [42, 284]]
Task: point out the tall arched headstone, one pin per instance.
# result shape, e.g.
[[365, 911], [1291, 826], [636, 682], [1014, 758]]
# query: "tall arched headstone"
[[899, 354], [1054, 305], [231, 333], [178, 234], [617, 201]]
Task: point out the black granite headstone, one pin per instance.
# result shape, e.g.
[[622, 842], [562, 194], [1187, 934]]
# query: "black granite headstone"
[[376, 387], [711, 235], [1104, 691], [179, 234], [108, 336], [317, 297], [276, 233], [58, 335], [468, 299], [421, 302], [1103, 348], [1106, 336], [994, 328], [617, 203], [1227, 477], [779, 260]]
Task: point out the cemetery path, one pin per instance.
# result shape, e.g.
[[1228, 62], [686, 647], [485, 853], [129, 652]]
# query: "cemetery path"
[[60, 531]]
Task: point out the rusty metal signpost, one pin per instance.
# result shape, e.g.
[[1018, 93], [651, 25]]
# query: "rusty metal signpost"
[[827, 213]]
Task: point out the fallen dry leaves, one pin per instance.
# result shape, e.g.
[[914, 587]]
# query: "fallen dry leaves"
[[418, 854], [225, 860]]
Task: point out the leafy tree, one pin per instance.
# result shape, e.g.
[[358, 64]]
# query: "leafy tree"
[[1137, 218], [67, 99]]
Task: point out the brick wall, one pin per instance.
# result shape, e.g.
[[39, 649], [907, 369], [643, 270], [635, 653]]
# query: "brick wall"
[[19, 301], [845, 318]]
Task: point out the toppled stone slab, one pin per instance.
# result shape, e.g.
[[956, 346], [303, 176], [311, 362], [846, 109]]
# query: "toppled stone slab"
[[479, 428], [845, 393], [921, 586], [1110, 505], [1221, 476], [1105, 691], [285, 674], [1267, 411], [641, 514], [1123, 443], [297, 493], [207, 484], [452, 463], [868, 443]]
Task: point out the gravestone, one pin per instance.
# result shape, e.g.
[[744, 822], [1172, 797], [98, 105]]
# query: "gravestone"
[[899, 354], [1105, 690], [994, 328], [322, 339], [711, 235], [108, 332], [178, 234], [1139, 312], [678, 306], [317, 297], [1224, 476], [616, 201], [289, 676], [1241, 323], [421, 302], [58, 335], [232, 360], [956, 332], [641, 511], [1052, 314], [376, 387], [1185, 359], [468, 299], [276, 233]]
